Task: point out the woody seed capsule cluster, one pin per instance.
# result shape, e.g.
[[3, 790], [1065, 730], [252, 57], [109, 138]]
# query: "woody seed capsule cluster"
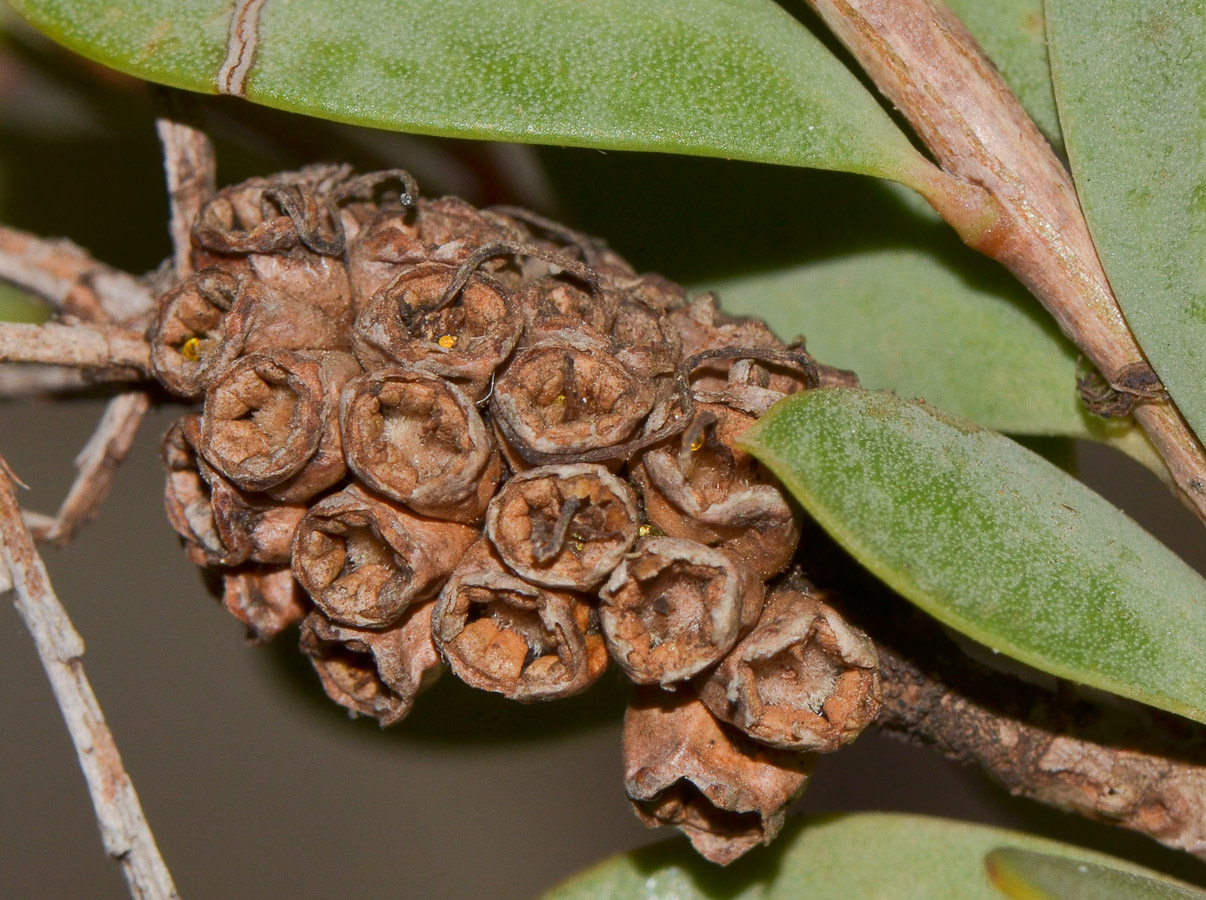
[[442, 437]]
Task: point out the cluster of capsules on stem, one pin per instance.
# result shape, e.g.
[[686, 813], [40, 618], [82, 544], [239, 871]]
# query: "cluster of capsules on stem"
[[441, 437]]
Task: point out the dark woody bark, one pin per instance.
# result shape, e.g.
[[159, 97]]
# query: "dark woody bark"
[[1123, 765], [417, 439], [728, 794], [673, 608], [524, 641]]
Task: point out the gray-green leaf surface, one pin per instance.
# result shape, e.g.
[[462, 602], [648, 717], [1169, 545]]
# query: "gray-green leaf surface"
[[994, 541], [732, 78], [1028, 874], [1130, 82], [870, 856]]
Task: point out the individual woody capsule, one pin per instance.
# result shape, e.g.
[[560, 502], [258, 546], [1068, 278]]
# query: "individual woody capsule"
[[370, 672], [563, 526], [267, 601], [418, 439], [270, 215], [429, 319], [384, 248], [727, 793], [453, 229], [365, 560], [503, 634], [207, 322], [271, 422], [702, 486], [221, 525], [567, 400], [803, 679], [673, 608]]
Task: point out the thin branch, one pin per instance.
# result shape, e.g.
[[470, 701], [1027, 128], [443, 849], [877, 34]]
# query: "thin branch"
[[1139, 769], [927, 64], [188, 162], [114, 354], [70, 280], [124, 830], [96, 464]]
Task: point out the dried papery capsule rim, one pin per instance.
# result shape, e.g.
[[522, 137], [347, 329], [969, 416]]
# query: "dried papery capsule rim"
[[442, 490], [617, 487]]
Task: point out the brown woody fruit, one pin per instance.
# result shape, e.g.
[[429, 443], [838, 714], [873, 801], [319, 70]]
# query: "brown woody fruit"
[[266, 600], [214, 317], [364, 559], [673, 608], [187, 497], [702, 486], [803, 679], [563, 526], [286, 232], [727, 793], [569, 400], [376, 673], [430, 319], [418, 439], [524, 641], [271, 422]]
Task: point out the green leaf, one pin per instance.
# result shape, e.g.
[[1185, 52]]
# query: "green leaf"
[[1032, 875], [732, 78], [929, 323], [1130, 81], [1013, 35], [994, 541], [18, 306], [866, 855]]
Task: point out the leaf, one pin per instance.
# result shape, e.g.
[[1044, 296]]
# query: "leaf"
[[1033, 875], [1012, 33], [862, 855], [732, 78], [995, 542], [18, 306], [1130, 81]]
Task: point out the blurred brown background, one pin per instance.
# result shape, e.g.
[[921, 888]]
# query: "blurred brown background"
[[254, 784]]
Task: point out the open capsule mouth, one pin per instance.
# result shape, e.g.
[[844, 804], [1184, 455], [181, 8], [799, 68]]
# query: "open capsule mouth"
[[262, 422]]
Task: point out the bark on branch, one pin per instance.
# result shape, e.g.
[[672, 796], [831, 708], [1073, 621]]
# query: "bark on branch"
[[1128, 765], [927, 64], [111, 353], [124, 830], [188, 163], [70, 280]]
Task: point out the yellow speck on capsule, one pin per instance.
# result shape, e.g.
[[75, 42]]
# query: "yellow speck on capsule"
[[647, 530], [191, 349], [697, 444], [559, 400], [447, 341]]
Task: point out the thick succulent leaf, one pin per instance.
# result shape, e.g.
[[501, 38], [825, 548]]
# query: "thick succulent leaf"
[[732, 78], [1023, 874], [1130, 81], [867, 855], [908, 320], [1012, 33], [994, 541], [18, 306]]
